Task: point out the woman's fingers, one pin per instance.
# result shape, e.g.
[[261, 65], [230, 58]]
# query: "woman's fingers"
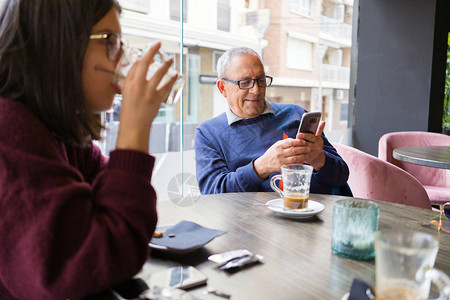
[[151, 87], [147, 59], [167, 87], [160, 72]]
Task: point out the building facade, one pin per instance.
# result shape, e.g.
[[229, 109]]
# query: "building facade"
[[305, 46]]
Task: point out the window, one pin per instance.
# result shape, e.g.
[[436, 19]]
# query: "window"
[[175, 10], [339, 12], [334, 57], [166, 113], [343, 115], [193, 86], [216, 56], [299, 54], [303, 7], [446, 112], [223, 15], [289, 49]]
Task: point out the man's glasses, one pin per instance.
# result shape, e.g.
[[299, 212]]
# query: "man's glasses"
[[443, 225], [114, 44], [247, 84]]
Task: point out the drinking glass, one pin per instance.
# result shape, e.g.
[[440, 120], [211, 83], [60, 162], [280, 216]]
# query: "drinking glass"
[[296, 182], [354, 224], [131, 55], [404, 266]]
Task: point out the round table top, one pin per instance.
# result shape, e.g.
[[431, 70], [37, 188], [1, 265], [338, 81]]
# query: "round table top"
[[431, 156]]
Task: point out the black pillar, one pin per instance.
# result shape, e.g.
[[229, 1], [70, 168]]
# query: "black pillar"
[[402, 48]]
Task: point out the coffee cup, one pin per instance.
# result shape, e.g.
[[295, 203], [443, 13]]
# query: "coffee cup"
[[404, 264], [296, 182]]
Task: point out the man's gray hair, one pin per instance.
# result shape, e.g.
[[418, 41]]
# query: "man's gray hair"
[[224, 60]]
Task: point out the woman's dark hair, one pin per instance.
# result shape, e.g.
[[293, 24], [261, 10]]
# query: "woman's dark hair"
[[42, 47]]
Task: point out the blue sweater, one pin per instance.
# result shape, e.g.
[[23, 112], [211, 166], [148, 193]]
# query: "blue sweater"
[[225, 153]]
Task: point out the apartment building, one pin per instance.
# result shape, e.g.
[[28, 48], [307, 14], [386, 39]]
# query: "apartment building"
[[308, 53], [305, 45]]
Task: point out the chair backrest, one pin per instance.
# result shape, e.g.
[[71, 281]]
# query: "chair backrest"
[[426, 175], [373, 178]]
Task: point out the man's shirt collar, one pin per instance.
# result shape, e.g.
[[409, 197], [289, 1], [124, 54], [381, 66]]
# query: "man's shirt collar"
[[232, 118]]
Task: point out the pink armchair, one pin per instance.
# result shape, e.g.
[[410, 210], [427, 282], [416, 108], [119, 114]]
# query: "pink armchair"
[[373, 178], [435, 181]]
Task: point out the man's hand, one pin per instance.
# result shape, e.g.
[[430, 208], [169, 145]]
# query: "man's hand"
[[306, 148], [316, 156]]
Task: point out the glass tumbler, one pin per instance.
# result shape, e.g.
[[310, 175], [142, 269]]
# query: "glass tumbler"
[[404, 266], [131, 55], [354, 225]]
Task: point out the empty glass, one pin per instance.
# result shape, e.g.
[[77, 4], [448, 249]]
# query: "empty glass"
[[131, 55], [354, 224]]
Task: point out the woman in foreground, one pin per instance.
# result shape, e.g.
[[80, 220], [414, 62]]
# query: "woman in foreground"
[[72, 223]]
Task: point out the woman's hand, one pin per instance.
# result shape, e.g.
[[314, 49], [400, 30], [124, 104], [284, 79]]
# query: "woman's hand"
[[141, 101]]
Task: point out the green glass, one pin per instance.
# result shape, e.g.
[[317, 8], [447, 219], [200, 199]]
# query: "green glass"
[[354, 225]]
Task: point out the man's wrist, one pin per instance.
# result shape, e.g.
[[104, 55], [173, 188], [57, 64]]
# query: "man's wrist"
[[259, 169], [319, 162]]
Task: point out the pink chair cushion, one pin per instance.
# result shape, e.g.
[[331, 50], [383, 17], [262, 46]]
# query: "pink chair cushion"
[[436, 181], [438, 194], [373, 178]]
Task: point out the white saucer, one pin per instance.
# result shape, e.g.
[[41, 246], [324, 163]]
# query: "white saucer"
[[170, 250], [276, 206]]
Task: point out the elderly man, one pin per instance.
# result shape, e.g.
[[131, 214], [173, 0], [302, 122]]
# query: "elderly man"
[[241, 149]]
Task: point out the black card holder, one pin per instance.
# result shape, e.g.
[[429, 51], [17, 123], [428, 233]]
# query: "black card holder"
[[131, 289]]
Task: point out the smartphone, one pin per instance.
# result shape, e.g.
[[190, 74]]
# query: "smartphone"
[[181, 277], [310, 122]]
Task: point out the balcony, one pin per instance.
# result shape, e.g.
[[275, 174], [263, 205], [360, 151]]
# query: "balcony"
[[334, 73], [336, 28], [346, 2]]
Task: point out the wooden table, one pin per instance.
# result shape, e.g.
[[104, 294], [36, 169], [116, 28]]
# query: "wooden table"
[[298, 261], [430, 156]]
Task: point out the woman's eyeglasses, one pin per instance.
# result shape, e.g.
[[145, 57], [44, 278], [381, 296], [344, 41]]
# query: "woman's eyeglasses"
[[443, 225], [114, 44]]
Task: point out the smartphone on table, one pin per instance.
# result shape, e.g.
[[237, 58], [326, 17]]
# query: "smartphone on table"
[[181, 277], [310, 122]]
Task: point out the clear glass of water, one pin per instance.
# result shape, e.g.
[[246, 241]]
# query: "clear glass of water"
[[131, 55]]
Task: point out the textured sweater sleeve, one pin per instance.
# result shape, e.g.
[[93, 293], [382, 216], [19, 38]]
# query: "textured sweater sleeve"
[[213, 174], [89, 160], [65, 236], [335, 172]]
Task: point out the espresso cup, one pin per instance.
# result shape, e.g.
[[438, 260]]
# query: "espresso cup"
[[296, 182], [404, 264]]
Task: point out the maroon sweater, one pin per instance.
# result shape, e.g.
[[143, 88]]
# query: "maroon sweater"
[[71, 223]]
